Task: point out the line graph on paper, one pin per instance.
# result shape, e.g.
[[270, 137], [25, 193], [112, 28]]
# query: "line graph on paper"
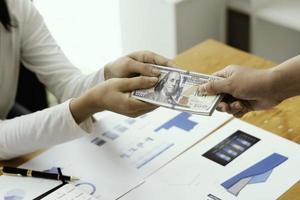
[[144, 151]]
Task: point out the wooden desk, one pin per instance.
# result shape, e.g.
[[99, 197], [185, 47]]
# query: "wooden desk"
[[283, 120], [211, 56]]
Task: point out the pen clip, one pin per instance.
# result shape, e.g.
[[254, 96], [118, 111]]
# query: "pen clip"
[[61, 175]]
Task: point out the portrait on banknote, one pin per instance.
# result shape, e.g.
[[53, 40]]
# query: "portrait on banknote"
[[166, 89]]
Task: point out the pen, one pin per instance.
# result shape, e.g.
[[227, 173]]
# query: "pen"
[[12, 171]]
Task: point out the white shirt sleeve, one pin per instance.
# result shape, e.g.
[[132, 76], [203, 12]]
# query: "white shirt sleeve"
[[39, 130], [55, 125], [41, 54]]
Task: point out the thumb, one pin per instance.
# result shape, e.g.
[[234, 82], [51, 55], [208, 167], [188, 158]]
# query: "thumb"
[[135, 83], [227, 71], [215, 87]]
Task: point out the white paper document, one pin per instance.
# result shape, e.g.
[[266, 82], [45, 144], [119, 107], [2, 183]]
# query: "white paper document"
[[23, 188], [238, 162], [149, 142], [69, 192], [101, 173], [118, 156]]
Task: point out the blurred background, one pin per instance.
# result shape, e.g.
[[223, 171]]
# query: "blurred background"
[[94, 32], [88, 31]]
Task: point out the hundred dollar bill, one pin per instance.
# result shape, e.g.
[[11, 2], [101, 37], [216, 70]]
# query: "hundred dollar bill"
[[178, 89]]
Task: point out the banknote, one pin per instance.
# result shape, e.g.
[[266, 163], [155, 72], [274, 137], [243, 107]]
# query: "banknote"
[[178, 89]]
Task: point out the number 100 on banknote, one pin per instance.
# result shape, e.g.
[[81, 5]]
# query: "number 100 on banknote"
[[179, 89]]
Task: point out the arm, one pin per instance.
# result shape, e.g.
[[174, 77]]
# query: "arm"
[[285, 79], [35, 131], [113, 95], [256, 89], [58, 124]]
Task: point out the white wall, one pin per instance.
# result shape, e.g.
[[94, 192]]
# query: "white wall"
[[275, 27], [276, 30], [274, 42], [198, 20], [88, 31], [149, 25], [168, 27]]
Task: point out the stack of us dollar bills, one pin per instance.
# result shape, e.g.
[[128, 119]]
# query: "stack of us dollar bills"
[[179, 89]]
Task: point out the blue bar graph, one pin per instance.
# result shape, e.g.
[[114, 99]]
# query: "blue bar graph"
[[181, 121]]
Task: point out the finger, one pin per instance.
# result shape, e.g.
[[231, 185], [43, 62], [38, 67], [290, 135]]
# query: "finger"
[[139, 105], [150, 109], [150, 57], [219, 109], [224, 107], [236, 107], [220, 73], [215, 87], [136, 67], [221, 106], [249, 105], [226, 72], [132, 107], [244, 111], [229, 98], [143, 111], [135, 83]]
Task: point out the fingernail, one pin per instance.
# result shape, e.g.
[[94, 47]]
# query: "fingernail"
[[237, 106], [155, 71], [219, 108], [153, 80], [202, 89]]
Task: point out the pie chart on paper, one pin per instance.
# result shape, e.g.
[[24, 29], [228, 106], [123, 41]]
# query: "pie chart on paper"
[[15, 194]]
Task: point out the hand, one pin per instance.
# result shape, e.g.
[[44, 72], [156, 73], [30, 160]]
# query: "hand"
[[251, 89], [113, 95], [135, 64]]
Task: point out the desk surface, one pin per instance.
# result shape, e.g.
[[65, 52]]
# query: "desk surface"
[[283, 120], [211, 56]]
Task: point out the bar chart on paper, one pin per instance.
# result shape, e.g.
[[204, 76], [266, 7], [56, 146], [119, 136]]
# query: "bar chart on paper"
[[263, 167], [142, 148], [181, 121], [152, 140]]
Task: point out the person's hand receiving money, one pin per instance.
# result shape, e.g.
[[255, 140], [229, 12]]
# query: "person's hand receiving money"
[[135, 64], [122, 76]]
